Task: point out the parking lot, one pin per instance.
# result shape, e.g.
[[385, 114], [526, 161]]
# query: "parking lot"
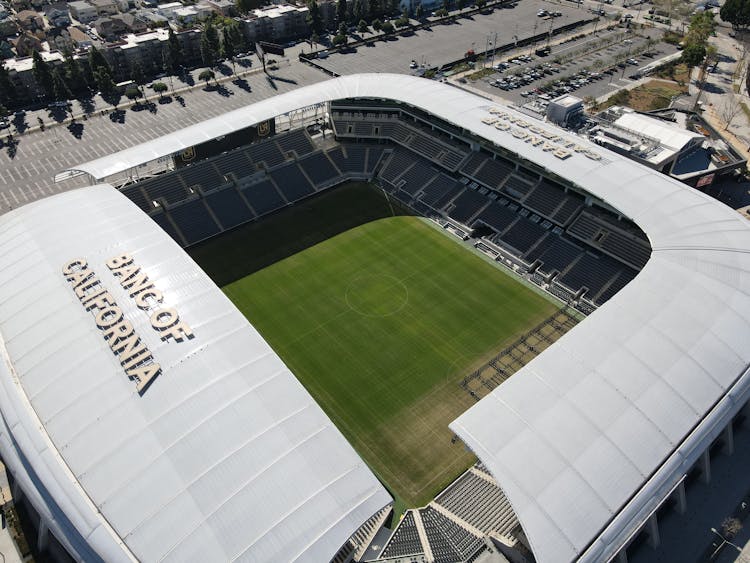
[[445, 43], [592, 66], [29, 167]]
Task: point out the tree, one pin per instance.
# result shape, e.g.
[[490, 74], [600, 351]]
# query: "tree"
[[104, 81], [736, 12], [60, 90], [136, 74], [175, 50], [206, 75], [8, 93], [74, 76], [419, 12], [377, 25], [693, 54], [97, 60], [132, 92], [387, 28], [227, 44], [314, 19], [42, 74], [209, 44], [362, 27], [359, 11], [730, 108], [160, 88], [702, 26], [460, 4], [374, 9], [481, 4], [341, 14], [339, 40], [245, 6]]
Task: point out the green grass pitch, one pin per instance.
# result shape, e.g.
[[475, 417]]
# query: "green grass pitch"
[[380, 323]]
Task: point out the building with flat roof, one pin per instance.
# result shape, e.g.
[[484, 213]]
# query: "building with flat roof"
[[677, 143]]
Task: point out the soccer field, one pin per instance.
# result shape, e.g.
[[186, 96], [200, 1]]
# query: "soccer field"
[[380, 323]]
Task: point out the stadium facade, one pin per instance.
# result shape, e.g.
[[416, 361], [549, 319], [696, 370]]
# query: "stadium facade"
[[587, 441]]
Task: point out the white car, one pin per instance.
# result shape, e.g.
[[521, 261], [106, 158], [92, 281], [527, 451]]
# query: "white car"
[[413, 64]]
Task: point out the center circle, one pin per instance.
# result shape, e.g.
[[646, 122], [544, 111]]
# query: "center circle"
[[376, 295]]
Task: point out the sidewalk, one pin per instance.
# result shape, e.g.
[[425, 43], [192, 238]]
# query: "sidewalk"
[[719, 90]]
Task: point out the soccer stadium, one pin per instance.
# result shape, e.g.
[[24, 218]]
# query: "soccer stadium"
[[378, 318]]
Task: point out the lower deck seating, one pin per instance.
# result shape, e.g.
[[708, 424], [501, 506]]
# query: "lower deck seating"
[[168, 186], [497, 216], [319, 169], [448, 541], [292, 182], [161, 219], [229, 207], [296, 141], [480, 502], [194, 221], [417, 177], [591, 272], [349, 158], [556, 255], [374, 157], [263, 197], [494, 172], [135, 194], [266, 152], [523, 235], [440, 191], [202, 174], [467, 205], [235, 163], [405, 539]]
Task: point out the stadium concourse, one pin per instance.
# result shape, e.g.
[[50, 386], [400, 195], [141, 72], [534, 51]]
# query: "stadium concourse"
[[587, 442]]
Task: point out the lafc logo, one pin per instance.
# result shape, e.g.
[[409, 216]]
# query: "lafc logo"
[[188, 154], [264, 129]]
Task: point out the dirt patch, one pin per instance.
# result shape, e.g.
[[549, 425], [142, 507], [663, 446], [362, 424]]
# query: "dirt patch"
[[654, 94]]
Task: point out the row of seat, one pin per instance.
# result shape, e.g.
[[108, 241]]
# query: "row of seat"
[[448, 541], [517, 229], [479, 502], [214, 173], [425, 142], [404, 540], [600, 231], [193, 216]]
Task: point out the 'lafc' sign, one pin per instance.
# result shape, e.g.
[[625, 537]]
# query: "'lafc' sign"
[[131, 351]]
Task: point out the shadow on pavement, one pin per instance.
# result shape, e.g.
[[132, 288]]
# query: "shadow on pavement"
[[76, 129], [242, 84], [117, 116]]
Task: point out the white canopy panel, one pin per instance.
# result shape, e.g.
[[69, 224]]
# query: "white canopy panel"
[[224, 456], [588, 436]]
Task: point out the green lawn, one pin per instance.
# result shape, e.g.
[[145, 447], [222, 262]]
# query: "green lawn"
[[380, 323]]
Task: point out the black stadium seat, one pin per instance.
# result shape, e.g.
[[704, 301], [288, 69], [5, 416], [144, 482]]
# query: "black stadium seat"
[[263, 197]]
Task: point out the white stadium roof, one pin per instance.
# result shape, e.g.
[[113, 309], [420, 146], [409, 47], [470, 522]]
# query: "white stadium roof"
[[587, 439], [224, 457]]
